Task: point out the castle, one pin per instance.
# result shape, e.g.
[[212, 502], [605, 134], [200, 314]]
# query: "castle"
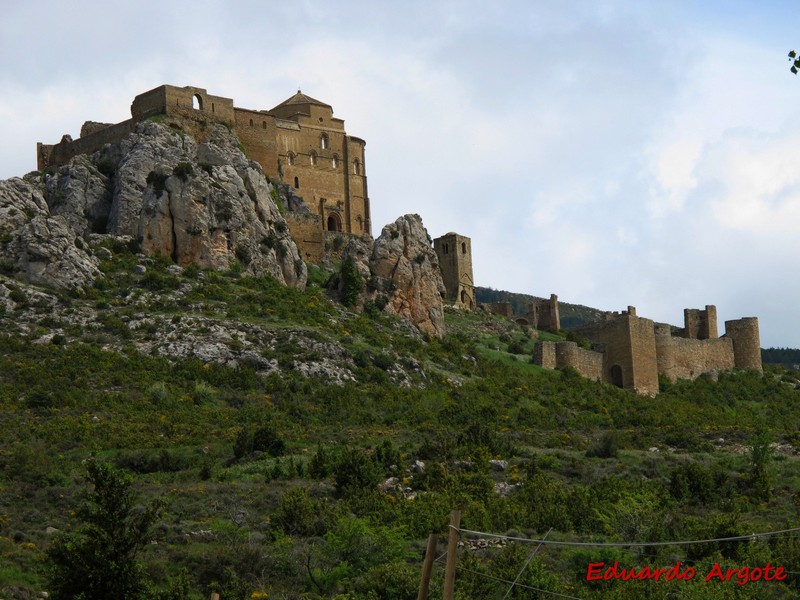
[[632, 352], [299, 141]]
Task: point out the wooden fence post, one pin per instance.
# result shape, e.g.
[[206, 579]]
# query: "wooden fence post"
[[452, 554], [427, 567]]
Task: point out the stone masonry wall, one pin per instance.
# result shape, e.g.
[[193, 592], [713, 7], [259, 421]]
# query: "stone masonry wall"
[[306, 231], [746, 342], [586, 362], [684, 358]]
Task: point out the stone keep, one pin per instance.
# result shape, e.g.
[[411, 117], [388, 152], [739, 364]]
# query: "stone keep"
[[455, 261]]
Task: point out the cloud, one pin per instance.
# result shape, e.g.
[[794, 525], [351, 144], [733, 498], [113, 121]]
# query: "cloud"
[[613, 153]]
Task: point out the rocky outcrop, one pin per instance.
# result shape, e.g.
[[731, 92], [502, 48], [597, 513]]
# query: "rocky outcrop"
[[37, 245], [401, 273], [197, 203]]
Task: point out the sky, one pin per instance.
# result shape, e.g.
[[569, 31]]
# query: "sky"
[[614, 153]]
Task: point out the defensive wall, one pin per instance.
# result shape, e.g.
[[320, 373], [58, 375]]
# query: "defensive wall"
[[632, 352]]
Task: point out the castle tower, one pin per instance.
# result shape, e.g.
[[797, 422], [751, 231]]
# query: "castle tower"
[[455, 261], [543, 314], [746, 343], [700, 324]]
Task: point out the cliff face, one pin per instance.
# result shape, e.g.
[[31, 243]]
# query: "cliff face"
[[402, 268], [198, 203]]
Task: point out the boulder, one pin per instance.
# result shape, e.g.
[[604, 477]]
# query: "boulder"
[[406, 270]]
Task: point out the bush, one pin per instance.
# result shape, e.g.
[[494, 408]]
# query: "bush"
[[99, 559], [355, 472], [351, 282], [183, 170], [605, 447]]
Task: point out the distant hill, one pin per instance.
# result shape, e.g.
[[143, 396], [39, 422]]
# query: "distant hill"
[[785, 357], [572, 315]]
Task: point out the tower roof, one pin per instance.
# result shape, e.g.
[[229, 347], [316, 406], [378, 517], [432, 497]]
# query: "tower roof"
[[301, 98]]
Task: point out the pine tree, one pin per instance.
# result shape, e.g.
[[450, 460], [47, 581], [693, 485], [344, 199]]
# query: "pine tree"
[[98, 560]]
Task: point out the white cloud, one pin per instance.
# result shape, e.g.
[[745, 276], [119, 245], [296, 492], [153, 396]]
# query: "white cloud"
[[613, 153]]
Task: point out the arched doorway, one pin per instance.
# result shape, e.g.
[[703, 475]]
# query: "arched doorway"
[[334, 222], [616, 376], [197, 102]]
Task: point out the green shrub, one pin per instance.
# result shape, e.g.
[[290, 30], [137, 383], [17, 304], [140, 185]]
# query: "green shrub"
[[605, 447], [355, 472], [157, 181], [183, 170], [351, 282]]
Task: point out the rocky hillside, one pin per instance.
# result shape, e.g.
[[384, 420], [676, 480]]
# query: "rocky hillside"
[[203, 204]]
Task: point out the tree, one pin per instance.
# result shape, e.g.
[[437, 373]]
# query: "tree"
[[351, 282], [98, 560], [795, 61]]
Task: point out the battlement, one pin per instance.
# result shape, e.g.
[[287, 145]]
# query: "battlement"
[[635, 351]]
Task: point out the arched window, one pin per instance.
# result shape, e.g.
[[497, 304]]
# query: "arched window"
[[360, 222], [323, 141], [463, 247], [334, 223], [290, 159], [251, 122], [356, 167], [197, 102], [264, 124], [312, 158], [335, 161], [296, 183]]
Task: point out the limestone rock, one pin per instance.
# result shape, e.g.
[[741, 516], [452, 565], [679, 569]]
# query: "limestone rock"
[[37, 246], [205, 204], [406, 270], [400, 272], [197, 203]]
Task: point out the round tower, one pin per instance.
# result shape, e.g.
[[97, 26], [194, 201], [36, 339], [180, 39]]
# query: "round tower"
[[665, 351], [746, 343]]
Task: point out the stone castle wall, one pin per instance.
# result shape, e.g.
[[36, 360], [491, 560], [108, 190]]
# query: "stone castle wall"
[[685, 358], [635, 351], [746, 342], [306, 231]]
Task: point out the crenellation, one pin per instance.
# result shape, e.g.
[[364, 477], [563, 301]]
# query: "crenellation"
[[637, 351]]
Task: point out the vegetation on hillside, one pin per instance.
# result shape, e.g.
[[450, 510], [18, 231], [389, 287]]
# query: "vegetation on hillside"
[[273, 482]]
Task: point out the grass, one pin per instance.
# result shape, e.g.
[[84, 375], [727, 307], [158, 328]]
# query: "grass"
[[174, 421]]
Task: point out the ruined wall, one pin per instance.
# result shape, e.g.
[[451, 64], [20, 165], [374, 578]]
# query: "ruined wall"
[[58, 154], [685, 358], [700, 324], [586, 362], [454, 252], [544, 355], [543, 314], [746, 342], [498, 308]]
